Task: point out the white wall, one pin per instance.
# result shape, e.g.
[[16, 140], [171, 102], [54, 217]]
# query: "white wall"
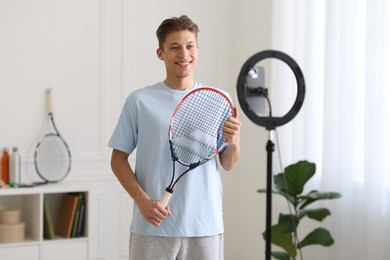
[[93, 53], [244, 207]]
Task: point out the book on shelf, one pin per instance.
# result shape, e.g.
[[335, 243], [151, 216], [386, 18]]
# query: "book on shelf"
[[78, 222], [66, 215], [81, 221], [48, 228], [76, 215]]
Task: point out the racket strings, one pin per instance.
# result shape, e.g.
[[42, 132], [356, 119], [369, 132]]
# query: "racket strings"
[[52, 158], [197, 126]]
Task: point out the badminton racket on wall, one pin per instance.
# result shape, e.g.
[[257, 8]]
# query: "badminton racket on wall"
[[52, 158], [195, 131]]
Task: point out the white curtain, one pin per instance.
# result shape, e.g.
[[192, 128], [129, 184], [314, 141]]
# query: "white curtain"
[[343, 49]]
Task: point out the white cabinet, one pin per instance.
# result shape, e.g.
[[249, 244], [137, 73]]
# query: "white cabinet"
[[19, 252], [74, 249], [30, 202]]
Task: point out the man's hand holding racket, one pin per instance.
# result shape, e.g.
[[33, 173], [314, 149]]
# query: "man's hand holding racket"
[[231, 131], [152, 210]]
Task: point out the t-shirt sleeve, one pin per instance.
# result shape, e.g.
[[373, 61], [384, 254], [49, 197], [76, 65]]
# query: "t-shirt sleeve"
[[125, 135]]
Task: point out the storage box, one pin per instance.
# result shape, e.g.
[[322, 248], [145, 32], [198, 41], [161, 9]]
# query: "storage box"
[[10, 217], [11, 233]]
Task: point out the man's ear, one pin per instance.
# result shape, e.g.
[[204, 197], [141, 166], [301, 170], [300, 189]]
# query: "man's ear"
[[160, 54]]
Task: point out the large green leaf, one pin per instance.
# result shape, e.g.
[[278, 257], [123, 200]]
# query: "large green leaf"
[[319, 236], [281, 188], [314, 195], [280, 255], [317, 214], [296, 176], [288, 223], [279, 182], [282, 239]]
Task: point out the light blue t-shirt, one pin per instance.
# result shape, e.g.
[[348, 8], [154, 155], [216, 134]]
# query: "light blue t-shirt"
[[196, 203]]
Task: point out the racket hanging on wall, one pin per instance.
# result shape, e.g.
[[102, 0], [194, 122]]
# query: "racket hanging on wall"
[[52, 157]]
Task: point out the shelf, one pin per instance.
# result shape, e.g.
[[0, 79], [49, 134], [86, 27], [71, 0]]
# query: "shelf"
[[30, 202]]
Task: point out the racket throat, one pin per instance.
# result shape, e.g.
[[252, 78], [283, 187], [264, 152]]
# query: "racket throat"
[[169, 190], [193, 166]]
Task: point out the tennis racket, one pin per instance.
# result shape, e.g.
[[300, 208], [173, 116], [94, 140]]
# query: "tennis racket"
[[195, 131], [52, 159]]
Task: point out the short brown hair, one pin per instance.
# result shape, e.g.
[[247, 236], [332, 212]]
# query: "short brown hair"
[[175, 24]]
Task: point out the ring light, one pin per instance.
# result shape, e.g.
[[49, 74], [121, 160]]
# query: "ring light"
[[270, 122]]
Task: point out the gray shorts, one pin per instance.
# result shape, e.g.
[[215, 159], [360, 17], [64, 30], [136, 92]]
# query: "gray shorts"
[[175, 248]]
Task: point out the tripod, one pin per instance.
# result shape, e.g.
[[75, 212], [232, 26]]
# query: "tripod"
[[270, 123]]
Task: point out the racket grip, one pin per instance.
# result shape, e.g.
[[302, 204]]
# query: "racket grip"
[[166, 196], [49, 100]]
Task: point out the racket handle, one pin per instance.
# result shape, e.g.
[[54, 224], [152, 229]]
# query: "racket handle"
[[166, 196], [49, 101]]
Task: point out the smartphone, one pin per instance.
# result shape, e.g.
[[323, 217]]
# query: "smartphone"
[[256, 79]]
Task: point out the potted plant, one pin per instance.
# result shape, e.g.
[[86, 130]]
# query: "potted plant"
[[290, 185]]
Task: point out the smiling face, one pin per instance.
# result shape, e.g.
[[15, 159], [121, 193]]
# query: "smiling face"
[[180, 54]]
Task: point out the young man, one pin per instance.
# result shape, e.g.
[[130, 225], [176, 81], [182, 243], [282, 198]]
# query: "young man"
[[191, 226]]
